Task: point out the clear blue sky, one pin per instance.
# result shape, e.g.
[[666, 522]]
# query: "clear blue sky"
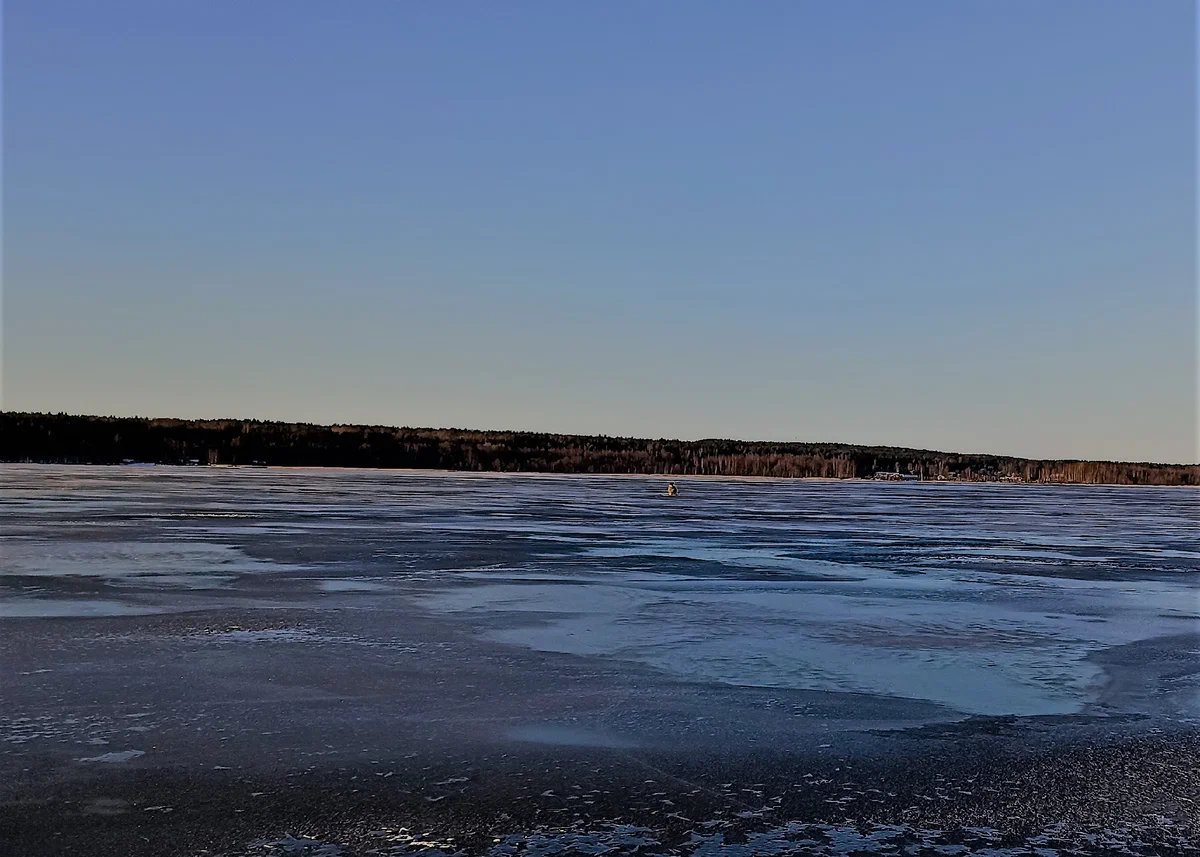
[[957, 225]]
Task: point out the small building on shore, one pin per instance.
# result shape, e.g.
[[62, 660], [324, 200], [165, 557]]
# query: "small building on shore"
[[889, 476]]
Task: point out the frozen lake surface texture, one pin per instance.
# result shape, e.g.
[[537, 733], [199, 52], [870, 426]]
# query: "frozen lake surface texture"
[[260, 661]]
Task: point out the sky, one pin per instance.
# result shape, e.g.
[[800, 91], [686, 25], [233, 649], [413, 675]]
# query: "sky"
[[958, 226]]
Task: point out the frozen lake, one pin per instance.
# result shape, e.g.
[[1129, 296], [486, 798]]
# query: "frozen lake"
[[252, 620], [992, 599]]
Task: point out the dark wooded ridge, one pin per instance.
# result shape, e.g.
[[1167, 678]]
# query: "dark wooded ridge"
[[63, 438]]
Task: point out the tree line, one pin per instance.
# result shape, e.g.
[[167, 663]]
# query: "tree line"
[[69, 439]]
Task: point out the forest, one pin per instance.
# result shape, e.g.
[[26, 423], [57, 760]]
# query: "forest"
[[69, 439]]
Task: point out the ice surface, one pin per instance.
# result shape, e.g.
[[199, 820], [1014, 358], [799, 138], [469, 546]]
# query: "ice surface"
[[15, 608], [169, 562], [785, 840], [351, 585], [115, 757], [985, 599], [572, 736]]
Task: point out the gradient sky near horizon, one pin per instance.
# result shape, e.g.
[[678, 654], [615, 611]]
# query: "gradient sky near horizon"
[[948, 225]]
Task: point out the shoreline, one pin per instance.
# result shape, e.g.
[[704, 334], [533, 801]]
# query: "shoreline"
[[707, 477], [63, 437]]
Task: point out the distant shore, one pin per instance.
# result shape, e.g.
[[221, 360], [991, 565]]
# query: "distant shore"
[[69, 439], [655, 477]]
